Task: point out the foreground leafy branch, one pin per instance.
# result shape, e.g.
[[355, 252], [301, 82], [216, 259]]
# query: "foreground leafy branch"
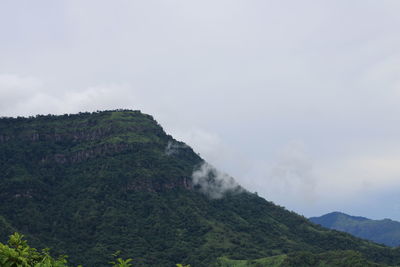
[[17, 253]]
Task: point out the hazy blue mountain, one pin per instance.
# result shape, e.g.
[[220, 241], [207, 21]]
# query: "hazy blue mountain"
[[384, 231]]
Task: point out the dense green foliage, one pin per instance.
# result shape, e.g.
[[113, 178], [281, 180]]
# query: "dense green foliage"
[[381, 231], [272, 261], [93, 183], [331, 258], [344, 258], [17, 253]]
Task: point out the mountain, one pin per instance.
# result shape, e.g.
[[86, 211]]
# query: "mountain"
[[89, 184], [383, 231]]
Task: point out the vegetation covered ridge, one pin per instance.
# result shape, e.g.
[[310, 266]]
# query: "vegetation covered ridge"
[[384, 231], [89, 184], [17, 253]]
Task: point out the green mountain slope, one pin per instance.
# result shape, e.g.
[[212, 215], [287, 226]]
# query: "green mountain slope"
[[381, 231], [90, 184], [344, 258]]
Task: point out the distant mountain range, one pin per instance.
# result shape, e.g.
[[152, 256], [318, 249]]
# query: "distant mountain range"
[[384, 231]]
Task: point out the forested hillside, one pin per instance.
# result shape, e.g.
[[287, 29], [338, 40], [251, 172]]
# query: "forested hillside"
[[89, 184]]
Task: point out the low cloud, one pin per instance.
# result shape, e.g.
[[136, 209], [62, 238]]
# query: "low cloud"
[[288, 179], [214, 183], [174, 148], [293, 171], [202, 141]]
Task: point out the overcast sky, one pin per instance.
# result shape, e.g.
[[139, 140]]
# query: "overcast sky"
[[298, 100]]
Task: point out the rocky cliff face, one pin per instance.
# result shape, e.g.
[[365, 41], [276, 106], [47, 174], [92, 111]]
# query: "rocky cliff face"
[[59, 142], [85, 154]]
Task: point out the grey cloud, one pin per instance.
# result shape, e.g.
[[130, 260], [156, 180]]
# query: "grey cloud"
[[214, 183], [174, 148]]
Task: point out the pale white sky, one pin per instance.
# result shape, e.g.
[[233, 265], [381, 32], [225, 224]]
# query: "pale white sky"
[[298, 100]]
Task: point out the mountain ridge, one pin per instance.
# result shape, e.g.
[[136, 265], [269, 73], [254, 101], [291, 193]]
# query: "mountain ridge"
[[90, 184], [385, 231]]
